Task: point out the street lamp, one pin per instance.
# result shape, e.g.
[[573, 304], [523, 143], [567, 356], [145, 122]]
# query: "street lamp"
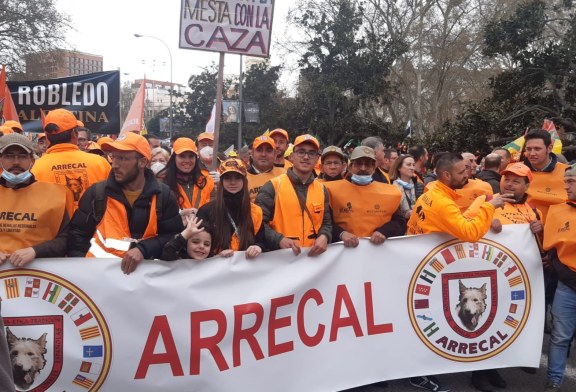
[[171, 84]]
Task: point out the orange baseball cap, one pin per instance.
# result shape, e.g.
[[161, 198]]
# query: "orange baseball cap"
[[519, 169], [41, 136], [279, 131], [232, 165], [80, 123], [14, 125], [306, 139], [63, 119], [129, 142], [263, 139], [183, 144], [206, 135], [104, 139], [6, 130]]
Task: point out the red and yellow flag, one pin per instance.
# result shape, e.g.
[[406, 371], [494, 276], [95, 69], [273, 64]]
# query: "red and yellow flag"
[[7, 108]]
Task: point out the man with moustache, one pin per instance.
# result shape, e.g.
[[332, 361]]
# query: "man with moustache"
[[261, 168], [130, 215]]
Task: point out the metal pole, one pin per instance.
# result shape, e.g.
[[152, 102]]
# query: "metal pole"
[[170, 114], [219, 87], [240, 107]]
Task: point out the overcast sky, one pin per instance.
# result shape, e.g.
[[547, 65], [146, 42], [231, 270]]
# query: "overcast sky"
[[107, 27]]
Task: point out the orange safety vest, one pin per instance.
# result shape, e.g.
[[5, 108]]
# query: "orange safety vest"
[[361, 210], [547, 189], [289, 219], [256, 214], [199, 196], [28, 217], [112, 235], [559, 233], [516, 214], [65, 164], [256, 181]]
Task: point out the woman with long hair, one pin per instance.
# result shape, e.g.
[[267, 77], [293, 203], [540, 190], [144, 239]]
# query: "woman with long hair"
[[183, 175], [236, 223], [403, 176]]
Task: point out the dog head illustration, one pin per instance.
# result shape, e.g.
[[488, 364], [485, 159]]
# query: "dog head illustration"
[[471, 305], [76, 186], [26, 357]]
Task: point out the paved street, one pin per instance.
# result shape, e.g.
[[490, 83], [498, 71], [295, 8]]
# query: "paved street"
[[518, 381]]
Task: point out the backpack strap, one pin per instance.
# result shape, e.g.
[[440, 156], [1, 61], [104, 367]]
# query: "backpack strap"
[[99, 201]]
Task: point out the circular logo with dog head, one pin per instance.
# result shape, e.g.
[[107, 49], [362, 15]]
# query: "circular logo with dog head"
[[48, 321], [469, 301]]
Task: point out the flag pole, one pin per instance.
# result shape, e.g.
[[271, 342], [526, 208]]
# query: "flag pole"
[[219, 88]]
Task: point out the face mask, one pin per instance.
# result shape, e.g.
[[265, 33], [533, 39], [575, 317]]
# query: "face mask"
[[405, 185], [16, 178], [361, 180], [157, 166]]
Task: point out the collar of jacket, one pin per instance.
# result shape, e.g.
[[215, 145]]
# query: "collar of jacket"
[[451, 193], [549, 168], [151, 186], [296, 180], [571, 203], [61, 147], [32, 180], [253, 170]]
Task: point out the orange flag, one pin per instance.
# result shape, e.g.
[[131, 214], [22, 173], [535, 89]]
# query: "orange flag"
[[135, 119], [7, 108]]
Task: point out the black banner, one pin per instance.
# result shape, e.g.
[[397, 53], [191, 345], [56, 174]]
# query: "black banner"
[[93, 98], [251, 112]]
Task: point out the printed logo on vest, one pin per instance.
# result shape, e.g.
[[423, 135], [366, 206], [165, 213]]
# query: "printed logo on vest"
[[347, 209], [565, 228], [485, 296], [69, 321]]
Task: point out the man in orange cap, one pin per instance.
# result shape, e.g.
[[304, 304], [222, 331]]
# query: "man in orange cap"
[[281, 140], [295, 207], [42, 144], [205, 139], [130, 215], [262, 169], [63, 162]]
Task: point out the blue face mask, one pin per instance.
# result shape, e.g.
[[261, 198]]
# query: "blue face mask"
[[16, 179], [361, 180]]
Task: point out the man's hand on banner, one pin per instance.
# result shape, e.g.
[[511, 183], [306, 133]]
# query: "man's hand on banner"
[[320, 246], [131, 260], [21, 257], [349, 239], [377, 238], [286, 243]]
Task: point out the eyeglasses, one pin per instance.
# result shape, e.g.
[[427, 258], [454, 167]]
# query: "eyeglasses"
[[12, 157], [121, 158], [308, 153]]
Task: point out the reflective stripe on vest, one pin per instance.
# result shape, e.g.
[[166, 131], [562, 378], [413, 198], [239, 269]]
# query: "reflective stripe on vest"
[[112, 235], [289, 219]]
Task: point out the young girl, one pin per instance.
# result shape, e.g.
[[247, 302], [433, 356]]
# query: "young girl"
[[194, 242], [235, 222]]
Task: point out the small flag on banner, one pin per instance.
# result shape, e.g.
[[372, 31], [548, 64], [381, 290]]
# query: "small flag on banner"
[[513, 308], [32, 287], [90, 367], [12, 289], [92, 351], [68, 303], [422, 289], [81, 316], [83, 381], [511, 322], [89, 333], [52, 292], [517, 295], [421, 304]]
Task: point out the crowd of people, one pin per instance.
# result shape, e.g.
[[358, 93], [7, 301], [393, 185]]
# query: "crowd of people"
[[132, 199]]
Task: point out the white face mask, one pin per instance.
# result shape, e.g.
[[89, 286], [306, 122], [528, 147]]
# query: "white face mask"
[[157, 166]]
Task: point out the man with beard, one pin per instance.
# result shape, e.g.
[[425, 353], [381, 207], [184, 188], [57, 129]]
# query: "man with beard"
[[130, 215], [352, 202], [281, 140], [436, 210]]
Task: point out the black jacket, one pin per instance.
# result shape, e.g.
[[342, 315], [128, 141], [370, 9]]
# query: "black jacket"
[[83, 224], [492, 178]]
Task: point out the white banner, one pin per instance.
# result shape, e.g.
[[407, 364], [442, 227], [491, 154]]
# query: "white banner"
[[229, 26], [412, 306]]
